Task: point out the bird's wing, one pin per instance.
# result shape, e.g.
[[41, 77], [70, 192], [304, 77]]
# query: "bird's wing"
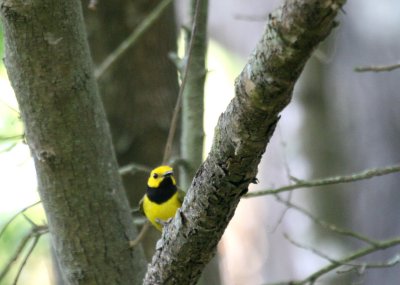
[[181, 195], [141, 210]]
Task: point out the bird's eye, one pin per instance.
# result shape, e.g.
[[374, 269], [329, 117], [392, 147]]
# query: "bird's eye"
[[155, 175]]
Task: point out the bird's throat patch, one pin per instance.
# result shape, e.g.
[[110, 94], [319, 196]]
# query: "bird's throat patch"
[[163, 193]]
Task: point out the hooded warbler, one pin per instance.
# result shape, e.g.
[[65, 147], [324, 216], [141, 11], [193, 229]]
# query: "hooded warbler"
[[162, 197]]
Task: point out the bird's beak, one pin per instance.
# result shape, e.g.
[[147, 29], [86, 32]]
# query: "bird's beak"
[[168, 173]]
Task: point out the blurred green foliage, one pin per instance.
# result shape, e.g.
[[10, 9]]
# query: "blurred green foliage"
[[1, 46], [12, 237], [11, 128], [1, 50], [8, 244]]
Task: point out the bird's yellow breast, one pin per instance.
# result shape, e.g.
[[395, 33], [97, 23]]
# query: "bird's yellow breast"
[[163, 211]]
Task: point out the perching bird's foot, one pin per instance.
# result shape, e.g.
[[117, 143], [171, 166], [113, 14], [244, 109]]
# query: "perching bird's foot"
[[163, 223]]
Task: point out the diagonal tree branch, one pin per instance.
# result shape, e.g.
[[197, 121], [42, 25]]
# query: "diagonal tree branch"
[[263, 89]]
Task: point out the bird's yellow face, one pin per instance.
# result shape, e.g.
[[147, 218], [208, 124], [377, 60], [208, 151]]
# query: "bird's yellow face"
[[158, 175]]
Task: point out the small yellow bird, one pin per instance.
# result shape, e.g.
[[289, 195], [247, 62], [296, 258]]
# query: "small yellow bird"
[[162, 197]]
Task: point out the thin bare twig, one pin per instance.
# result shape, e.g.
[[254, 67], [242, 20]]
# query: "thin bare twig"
[[29, 220], [37, 230], [13, 258], [366, 174], [282, 215], [377, 68], [132, 168], [8, 148], [312, 249], [360, 268], [174, 121], [132, 38], [9, 106], [326, 225], [15, 216], [10, 138], [21, 267], [289, 177], [11, 142], [251, 18], [311, 279], [35, 233]]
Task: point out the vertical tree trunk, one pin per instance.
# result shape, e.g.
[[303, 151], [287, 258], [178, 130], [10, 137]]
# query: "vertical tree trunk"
[[48, 62], [139, 90], [193, 98]]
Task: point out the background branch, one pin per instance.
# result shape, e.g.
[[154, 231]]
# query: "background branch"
[[129, 41], [377, 68], [324, 224], [36, 238], [132, 168], [360, 268], [366, 174], [15, 216], [312, 249], [311, 279], [360, 253], [35, 232]]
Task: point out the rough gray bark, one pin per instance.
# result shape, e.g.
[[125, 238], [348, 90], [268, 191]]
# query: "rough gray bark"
[[49, 65], [263, 89]]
